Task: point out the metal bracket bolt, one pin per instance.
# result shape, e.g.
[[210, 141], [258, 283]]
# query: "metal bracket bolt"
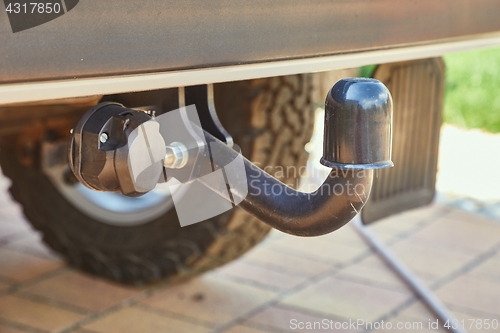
[[104, 137], [177, 156]]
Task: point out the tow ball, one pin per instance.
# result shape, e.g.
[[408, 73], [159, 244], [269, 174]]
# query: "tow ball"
[[111, 143]]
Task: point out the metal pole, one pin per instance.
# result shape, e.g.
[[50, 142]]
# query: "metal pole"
[[429, 298]]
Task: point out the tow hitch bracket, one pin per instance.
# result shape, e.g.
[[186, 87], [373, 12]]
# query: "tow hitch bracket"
[[357, 140]]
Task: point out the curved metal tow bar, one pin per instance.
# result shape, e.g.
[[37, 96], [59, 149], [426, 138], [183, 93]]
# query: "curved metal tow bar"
[[112, 142]]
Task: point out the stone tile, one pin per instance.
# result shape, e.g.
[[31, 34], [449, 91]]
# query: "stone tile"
[[386, 235], [488, 270], [404, 222], [134, 320], [470, 293], [408, 324], [471, 236], [347, 232], [456, 214], [210, 299], [398, 224], [261, 276], [308, 248], [407, 222], [20, 267], [7, 329], [429, 263], [496, 257], [428, 213], [346, 299], [33, 245], [266, 257], [244, 329], [346, 235], [476, 323], [83, 291], [36, 315], [418, 310], [285, 318], [373, 271]]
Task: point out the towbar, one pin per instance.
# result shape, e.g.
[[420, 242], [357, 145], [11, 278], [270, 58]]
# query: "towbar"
[[357, 140], [358, 122]]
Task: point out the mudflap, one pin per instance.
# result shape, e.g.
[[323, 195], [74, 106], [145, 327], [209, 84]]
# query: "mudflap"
[[417, 88]]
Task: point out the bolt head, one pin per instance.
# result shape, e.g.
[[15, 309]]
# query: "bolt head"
[[176, 157], [104, 137]]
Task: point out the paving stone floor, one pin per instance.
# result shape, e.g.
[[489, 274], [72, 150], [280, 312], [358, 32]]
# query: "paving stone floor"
[[283, 283]]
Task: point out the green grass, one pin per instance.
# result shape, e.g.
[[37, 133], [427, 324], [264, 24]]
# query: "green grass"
[[367, 71], [472, 98], [472, 95]]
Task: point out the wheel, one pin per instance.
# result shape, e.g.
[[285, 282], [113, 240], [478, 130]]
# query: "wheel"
[[137, 242]]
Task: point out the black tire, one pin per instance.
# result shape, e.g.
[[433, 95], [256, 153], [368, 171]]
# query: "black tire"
[[270, 119]]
